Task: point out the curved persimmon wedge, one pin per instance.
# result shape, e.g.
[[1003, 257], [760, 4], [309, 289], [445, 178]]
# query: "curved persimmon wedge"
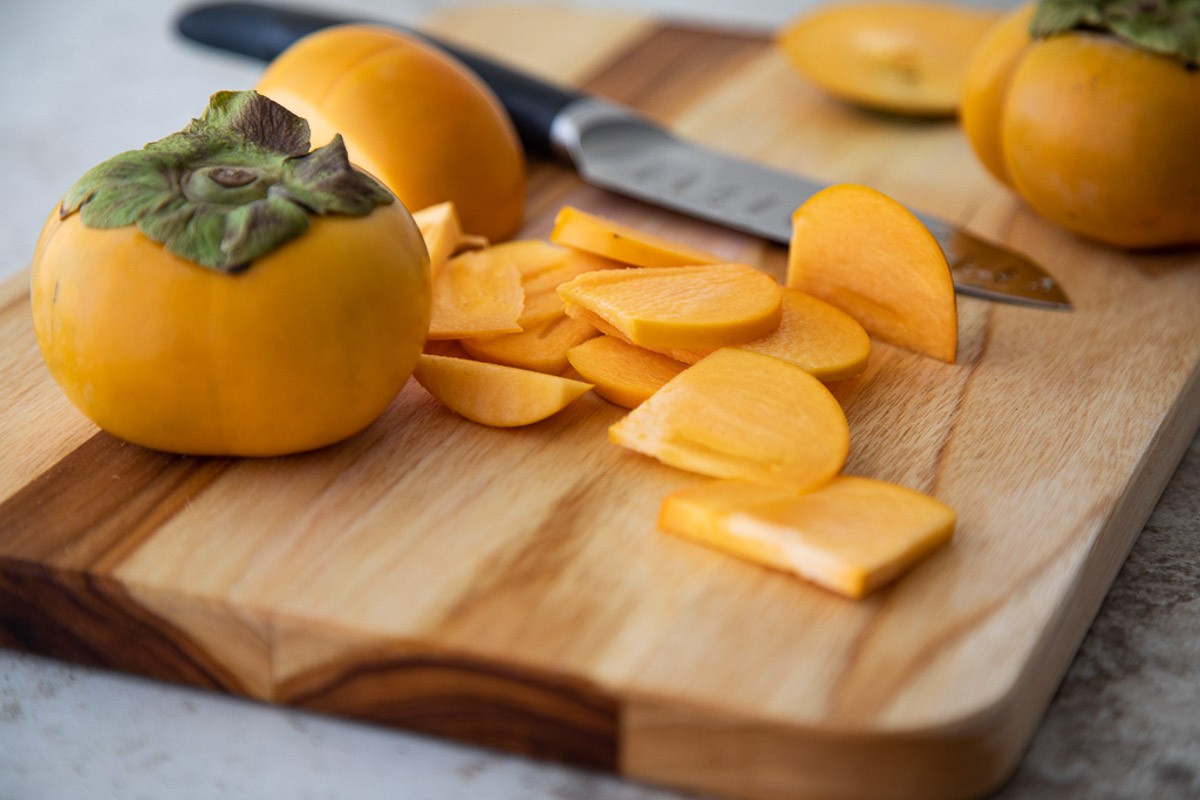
[[850, 536], [863, 252], [697, 307], [624, 374], [603, 237], [495, 395], [738, 414]]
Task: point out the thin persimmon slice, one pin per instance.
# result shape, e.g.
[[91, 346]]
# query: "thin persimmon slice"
[[476, 294], [542, 301], [822, 340], [851, 536], [697, 307], [863, 252], [495, 395], [542, 348], [744, 415], [624, 374], [604, 237]]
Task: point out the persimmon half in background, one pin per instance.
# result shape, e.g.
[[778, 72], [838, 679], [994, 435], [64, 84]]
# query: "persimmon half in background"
[[412, 116]]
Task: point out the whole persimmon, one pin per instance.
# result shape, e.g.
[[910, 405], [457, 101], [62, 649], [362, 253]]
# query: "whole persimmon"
[[225, 291], [412, 116], [1092, 115]]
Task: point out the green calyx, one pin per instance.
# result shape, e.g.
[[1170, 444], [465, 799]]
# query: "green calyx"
[[1167, 27], [232, 186]]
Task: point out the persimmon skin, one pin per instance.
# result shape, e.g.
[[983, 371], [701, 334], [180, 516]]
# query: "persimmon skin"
[[411, 116], [987, 81], [305, 347], [1095, 135]]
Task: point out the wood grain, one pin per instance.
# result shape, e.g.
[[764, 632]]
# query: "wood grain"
[[506, 587]]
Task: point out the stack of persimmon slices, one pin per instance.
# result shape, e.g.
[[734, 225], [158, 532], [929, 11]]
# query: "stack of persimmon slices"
[[723, 369]]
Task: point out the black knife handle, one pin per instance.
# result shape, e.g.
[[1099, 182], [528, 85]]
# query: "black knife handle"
[[264, 31]]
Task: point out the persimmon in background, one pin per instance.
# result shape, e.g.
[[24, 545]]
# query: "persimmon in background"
[[903, 58], [412, 116]]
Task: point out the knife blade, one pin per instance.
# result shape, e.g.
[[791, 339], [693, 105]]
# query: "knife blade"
[[615, 148]]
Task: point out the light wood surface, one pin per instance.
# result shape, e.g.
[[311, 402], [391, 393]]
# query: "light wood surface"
[[507, 587]]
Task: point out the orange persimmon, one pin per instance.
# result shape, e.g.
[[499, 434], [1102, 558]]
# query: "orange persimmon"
[[623, 373], [1095, 129], [292, 328], [604, 237], [495, 395], [904, 58], [851, 536], [412, 116], [863, 252], [739, 414], [693, 307]]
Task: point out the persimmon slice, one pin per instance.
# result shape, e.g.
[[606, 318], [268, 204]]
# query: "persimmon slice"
[[863, 252], [542, 348], [738, 414], [476, 294], [542, 301], [603, 237], [624, 374], [495, 395], [822, 340], [442, 231], [697, 307], [851, 536]]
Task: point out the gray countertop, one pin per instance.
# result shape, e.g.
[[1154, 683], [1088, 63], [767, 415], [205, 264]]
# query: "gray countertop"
[[82, 80]]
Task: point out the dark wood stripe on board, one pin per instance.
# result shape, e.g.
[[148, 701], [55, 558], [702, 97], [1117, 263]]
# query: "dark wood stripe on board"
[[471, 701], [89, 619], [99, 502]]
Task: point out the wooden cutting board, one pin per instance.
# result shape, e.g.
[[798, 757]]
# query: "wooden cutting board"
[[507, 587]]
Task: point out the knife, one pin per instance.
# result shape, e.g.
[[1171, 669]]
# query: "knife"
[[616, 148]]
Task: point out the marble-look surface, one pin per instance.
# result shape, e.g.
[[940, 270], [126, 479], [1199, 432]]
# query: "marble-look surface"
[[1125, 724]]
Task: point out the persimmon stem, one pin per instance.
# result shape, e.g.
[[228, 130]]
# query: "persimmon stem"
[[1166, 27], [232, 186]]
